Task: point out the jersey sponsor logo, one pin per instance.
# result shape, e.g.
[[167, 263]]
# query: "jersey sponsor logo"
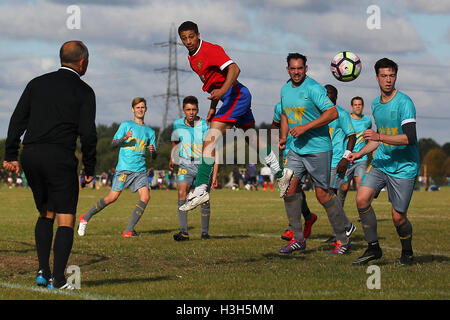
[[295, 114], [390, 132], [135, 144]]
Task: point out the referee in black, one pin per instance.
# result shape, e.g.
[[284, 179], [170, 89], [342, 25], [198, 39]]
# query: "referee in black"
[[53, 111]]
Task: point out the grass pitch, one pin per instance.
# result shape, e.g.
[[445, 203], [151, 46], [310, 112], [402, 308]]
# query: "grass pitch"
[[240, 261]]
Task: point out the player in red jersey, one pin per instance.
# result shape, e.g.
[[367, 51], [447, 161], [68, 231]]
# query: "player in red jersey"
[[219, 74]]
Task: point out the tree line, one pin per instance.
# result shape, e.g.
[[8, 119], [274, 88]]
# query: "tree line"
[[434, 158]]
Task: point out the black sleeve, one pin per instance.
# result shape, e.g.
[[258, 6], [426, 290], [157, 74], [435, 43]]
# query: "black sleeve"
[[410, 130], [17, 125], [88, 132]]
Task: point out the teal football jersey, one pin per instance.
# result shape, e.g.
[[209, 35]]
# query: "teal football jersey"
[[397, 161], [277, 118], [191, 138], [360, 126], [302, 105], [132, 151], [340, 129]]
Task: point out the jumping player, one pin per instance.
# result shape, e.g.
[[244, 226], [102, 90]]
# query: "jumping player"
[[219, 76], [133, 138], [309, 217], [306, 113], [395, 163], [188, 134]]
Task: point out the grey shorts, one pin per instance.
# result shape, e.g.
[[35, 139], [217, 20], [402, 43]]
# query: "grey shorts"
[[128, 179], [357, 169], [316, 164], [399, 190], [187, 172], [336, 180]]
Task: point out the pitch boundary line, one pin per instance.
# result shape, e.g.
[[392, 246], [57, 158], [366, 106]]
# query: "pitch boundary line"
[[74, 294]]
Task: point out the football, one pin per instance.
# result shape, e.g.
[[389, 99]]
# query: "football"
[[346, 66]]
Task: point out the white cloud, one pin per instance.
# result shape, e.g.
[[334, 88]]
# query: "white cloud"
[[256, 34], [428, 6]]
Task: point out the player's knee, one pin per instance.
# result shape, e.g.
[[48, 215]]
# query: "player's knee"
[[145, 198], [322, 195], [398, 218]]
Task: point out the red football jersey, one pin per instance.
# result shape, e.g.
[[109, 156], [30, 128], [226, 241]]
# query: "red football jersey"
[[209, 62]]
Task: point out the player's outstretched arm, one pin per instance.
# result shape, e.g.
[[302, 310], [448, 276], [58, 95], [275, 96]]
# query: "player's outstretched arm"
[[284, 131], [233, 72], [324, 119], [368, 148], [342, 165]]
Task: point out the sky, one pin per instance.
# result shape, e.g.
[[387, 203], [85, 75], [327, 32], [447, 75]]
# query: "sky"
[[127, 60]]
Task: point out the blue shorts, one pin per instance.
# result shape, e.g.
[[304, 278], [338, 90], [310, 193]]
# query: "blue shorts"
[[236, 107]]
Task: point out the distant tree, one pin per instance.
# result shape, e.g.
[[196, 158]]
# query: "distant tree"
[[425, 145], [446, 148], [435, 160], [2, 151]]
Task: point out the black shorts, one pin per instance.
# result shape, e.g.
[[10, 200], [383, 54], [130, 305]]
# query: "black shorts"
[[51, 172]]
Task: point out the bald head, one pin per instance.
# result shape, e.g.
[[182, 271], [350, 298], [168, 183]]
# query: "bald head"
[[75, 55]]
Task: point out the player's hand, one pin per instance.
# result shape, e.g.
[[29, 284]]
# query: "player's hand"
[[151, 148], [369, 134], [171, 166], [216, 94], [353, 156], [282, 143], [210, 115], [297, 131], [215, 182], [88, 179], [128, 135], [342, 166], [12, 166]]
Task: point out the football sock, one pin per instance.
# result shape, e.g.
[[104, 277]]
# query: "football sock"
[[204, 171], [293, 208], [182, 217], [272, 161], [137, 213], [43, 234], [95, 209], [342, 195], [337, 218], [205, 210], [61, 252], [305, 209], [404, 231], [369, 223]]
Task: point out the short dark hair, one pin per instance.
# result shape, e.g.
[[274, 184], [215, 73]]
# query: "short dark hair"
[[138, 100], [187, 25], [385, 63], [357, 98], [296, 56], [75, 54], [190, 100], [333, 90]]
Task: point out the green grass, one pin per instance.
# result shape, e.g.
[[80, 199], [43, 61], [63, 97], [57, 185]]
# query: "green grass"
[[240, 261]]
